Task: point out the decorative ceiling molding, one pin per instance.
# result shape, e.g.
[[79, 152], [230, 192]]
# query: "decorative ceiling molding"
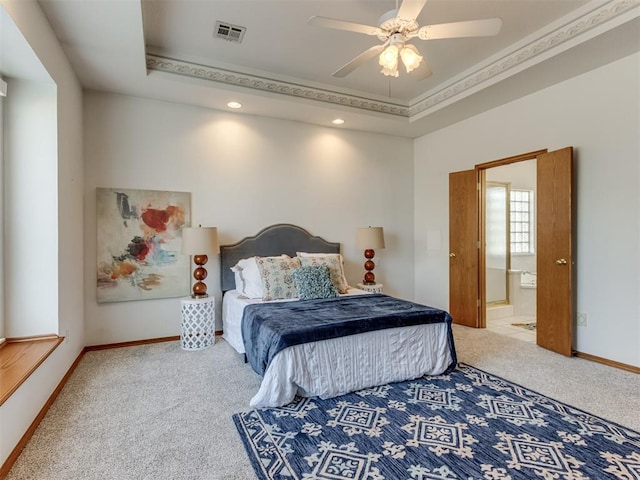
[[507, 63], [483, 77], [205, 72]]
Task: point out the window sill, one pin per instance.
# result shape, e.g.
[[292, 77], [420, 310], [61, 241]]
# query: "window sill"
[[19, 358]]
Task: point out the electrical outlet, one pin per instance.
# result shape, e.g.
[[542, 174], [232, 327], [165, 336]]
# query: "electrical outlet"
[[582, 319]]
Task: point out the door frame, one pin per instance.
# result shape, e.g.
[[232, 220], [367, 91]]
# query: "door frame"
[[481, 169]]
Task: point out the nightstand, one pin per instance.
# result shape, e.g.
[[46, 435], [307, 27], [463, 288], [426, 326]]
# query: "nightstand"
[[198, 316], [375, 288]]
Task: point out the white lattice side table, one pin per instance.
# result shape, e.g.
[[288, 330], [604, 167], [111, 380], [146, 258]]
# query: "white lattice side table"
[[371, 288], [198, 316]]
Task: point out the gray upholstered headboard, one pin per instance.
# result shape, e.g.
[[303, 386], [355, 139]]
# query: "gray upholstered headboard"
[[274, 240]]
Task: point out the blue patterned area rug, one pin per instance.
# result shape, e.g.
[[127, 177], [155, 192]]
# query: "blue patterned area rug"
[[465, 425]]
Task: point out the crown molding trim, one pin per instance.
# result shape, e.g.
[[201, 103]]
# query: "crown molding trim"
[[504, 64], [513, 62], [205, 72]]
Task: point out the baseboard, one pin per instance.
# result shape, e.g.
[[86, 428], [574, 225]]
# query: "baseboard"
[[137, 342], [133, 343], [606, 361]]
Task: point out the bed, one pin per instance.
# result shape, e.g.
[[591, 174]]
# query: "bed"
[[370, 355]]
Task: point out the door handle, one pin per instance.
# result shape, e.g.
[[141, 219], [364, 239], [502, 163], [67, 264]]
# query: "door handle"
[[561, 261], [452, 255]]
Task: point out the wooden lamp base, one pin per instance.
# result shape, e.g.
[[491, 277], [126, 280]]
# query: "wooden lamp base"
[[200, 273], [369, 265]]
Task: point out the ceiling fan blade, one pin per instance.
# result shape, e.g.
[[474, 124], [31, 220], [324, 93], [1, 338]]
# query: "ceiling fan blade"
[[342, 25], [410, 9], [359, 60], [472, 28]]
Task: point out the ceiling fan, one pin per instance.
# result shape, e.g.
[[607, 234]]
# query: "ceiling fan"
[[395, 29]]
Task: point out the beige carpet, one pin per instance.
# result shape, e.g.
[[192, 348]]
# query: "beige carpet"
[[159, 412]]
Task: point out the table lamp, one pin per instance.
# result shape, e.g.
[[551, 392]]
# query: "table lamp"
[[200, 242], [368, 239]]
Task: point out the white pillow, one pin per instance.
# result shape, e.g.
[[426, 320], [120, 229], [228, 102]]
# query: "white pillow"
[[250, 275], [335, 263], [237, 276]]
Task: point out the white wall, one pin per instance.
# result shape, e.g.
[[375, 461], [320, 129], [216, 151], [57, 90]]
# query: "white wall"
[[598, 114], [17, 413], [244, 173], [31, 213]]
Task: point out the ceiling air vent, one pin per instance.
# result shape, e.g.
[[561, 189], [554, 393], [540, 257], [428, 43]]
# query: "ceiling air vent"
[[226, 31]]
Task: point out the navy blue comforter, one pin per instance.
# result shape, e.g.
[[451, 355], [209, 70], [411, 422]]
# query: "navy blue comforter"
[[268, 328]]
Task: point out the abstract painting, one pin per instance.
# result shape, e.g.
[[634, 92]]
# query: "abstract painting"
[[139, 242]]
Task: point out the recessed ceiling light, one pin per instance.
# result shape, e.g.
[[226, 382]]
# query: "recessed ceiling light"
[[234, 105], [338, 121]]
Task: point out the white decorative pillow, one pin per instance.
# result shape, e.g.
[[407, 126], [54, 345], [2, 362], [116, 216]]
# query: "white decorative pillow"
[[332, 260], [237, 276], [277, 279], [250, 275]]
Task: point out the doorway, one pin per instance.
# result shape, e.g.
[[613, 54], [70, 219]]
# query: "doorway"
[[510, 250], [555, 301]]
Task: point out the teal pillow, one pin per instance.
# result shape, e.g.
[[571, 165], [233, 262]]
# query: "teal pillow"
[[314, 281]]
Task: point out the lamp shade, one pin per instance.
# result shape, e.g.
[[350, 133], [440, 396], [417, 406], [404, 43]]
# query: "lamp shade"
[[370, 238], [200, 240]]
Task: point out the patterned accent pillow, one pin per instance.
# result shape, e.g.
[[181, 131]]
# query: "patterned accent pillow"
[[277, 281], [314, 281], [331, 260]]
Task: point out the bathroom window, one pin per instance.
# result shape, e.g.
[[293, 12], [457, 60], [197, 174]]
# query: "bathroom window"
[[521, 212]]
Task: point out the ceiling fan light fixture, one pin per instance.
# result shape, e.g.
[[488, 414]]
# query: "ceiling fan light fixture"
[[390, 72], [411, 58], [399, 26], [389, 58]]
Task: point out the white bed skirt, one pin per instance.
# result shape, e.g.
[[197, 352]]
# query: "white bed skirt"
[[333, 367], [340, 365]]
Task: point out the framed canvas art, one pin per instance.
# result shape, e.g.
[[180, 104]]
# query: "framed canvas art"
[[139, 244]]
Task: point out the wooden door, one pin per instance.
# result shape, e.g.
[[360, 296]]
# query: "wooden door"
[[463, 247], [554, 304]]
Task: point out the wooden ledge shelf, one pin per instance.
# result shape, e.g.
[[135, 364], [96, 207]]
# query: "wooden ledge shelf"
[[19, 358]]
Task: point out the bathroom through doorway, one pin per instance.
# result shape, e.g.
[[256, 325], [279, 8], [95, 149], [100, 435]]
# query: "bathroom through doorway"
[[510, 249]]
